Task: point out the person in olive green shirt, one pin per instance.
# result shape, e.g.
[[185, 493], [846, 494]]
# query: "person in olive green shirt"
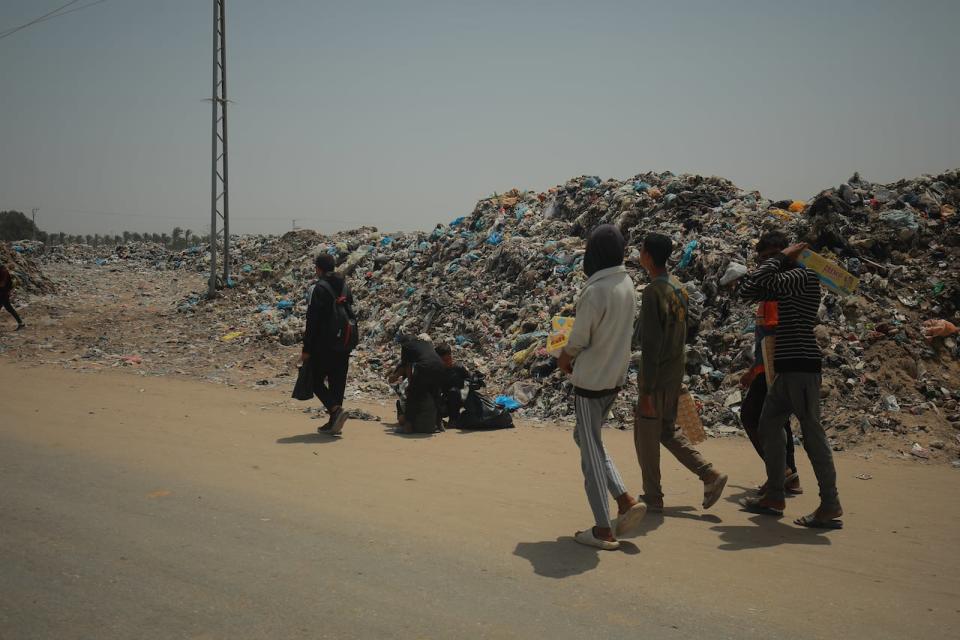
[[662, 335]]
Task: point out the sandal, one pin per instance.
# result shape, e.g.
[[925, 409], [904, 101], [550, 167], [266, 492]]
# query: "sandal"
[[587, 538], [713, 490], [756, 505], [791, 484], [813, 522], [627, 522]]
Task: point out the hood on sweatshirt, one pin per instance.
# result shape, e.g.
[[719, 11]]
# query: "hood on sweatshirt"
[[605, 249]]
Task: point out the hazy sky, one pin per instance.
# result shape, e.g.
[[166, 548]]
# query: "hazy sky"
[[403, 113]]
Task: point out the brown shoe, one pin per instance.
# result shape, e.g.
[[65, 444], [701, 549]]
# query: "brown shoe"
[[654, 505], [792, 485], [713, 489]]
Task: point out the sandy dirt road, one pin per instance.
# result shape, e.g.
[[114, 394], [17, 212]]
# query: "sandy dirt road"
[[150, 507]]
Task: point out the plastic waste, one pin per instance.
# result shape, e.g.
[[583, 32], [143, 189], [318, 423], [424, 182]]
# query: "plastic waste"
[[734, 272], [507, 402], [688, 254], [900, 219]]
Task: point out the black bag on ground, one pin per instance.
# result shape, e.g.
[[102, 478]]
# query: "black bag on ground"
[[303, 389], [343, 335], [480, 412]]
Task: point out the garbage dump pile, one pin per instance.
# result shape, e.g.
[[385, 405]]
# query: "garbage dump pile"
[[140, 254], [490, 282], [22, 260]]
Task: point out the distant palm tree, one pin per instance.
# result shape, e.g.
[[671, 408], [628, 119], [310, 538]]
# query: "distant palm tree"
[[186, 237], [177, 235], [126, 237], [165, 240]]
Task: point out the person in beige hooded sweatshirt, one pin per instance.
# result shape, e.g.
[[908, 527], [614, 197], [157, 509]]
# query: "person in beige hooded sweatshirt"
[[597, 356]]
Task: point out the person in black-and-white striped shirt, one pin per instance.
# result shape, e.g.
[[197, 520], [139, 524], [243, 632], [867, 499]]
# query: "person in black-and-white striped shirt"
[[796, 387]]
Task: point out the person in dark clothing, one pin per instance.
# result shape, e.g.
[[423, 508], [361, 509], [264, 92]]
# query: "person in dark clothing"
[[455, 377], [756, 378], [6, 286], [329, 365], [425, 373], [796, 386]]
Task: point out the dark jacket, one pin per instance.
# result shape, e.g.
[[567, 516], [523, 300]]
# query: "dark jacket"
[[6, 282], [420, 353], [319, 312]]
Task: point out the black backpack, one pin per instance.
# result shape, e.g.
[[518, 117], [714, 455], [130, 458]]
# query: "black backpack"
[[342, 333]]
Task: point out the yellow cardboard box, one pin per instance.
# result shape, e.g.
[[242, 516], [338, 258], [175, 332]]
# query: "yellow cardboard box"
[[556, 341], [830, 273]]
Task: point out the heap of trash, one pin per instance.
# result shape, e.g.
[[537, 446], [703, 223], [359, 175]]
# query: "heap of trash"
[[489, 284], [138, 254], [21, 259]]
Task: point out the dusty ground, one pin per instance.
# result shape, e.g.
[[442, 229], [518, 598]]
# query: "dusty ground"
[[137, 506], [111, 317]]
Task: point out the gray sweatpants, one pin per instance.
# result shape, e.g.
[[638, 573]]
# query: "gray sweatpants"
[[798, 394], [599, 473]]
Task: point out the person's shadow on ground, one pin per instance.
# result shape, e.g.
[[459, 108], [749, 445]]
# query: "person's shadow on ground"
[[309, 438], [766, 531], [394, 429], [564, 557], [653, 520]]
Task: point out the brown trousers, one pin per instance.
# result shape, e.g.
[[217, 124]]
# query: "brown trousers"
[[649, 432]]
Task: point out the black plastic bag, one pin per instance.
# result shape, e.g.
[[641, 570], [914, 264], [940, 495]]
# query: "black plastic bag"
[[480, 412], [303, 389]]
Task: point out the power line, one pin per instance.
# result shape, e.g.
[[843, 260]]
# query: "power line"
[[56, 13], [12, 31]]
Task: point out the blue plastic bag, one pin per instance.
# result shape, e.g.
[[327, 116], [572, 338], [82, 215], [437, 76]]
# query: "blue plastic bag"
[[688, 254], [507, 402]]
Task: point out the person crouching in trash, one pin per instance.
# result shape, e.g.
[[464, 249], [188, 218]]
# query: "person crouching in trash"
[[425, 374], [596, 357]]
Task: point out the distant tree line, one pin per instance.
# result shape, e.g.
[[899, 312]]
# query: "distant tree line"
[[14, 225]]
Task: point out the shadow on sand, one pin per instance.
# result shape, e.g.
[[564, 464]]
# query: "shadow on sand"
[[564, 557], [309, 438]]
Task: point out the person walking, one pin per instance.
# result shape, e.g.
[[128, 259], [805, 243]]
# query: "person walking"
[[796, 387], [757, 378], [662, 335], [596, 357], [6, 287], [327, 343]]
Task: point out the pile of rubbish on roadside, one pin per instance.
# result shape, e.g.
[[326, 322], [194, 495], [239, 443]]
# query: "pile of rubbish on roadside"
[[489, 284], [140, 254], [21, 260]]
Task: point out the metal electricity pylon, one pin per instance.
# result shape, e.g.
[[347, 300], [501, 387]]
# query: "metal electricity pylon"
[[220, 194]]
